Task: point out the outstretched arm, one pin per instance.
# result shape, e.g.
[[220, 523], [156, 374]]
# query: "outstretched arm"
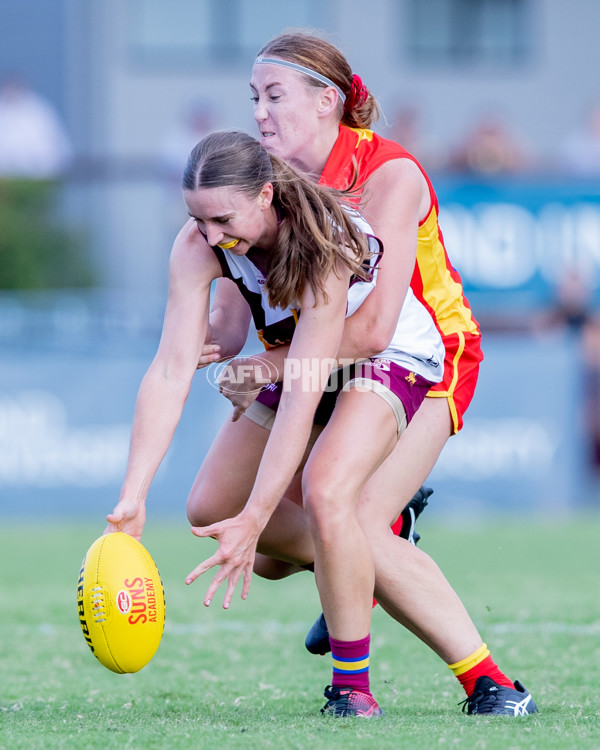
[[166, 384]]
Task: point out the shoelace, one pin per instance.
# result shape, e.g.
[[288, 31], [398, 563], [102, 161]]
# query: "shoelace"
[[334, 693], [333, 696], [479, 699]]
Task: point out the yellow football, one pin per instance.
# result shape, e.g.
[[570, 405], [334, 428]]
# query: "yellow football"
[[121, 603]]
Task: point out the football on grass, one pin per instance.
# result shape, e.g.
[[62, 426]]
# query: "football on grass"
[[121, 603]]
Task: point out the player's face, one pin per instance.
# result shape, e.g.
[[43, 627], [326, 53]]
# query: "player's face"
[[285, 110], [231, 219]]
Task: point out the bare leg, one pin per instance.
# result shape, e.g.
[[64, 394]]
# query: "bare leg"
[[332, 482], [221, 491], [412, 589], [410, 586], [274, 570], [285, 520], [416, 594], [396, 481]]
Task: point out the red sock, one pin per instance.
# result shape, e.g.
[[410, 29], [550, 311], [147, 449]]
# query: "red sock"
[[397, 525], [477, 665], [351, 663]]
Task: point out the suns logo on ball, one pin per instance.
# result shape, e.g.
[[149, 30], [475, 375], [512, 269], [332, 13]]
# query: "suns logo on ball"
[[123, 602], [143, 600]]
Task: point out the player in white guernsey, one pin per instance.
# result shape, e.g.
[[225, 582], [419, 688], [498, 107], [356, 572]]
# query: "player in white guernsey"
[[289, 243], [415, 345]]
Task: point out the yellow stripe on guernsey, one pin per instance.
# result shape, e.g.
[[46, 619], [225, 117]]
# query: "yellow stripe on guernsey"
[[263, 341], [261, 333], [363, 135], [440, 291], [350, 666], [449, 394], [460, 667]]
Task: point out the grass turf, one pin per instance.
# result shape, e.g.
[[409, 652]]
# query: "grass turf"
[[242, 679]]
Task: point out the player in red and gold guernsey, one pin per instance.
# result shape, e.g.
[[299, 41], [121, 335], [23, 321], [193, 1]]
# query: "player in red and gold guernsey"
[[312, 111], [356, 155]]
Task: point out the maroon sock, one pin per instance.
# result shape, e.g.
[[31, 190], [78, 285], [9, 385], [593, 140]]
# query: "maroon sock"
[[351, 663]]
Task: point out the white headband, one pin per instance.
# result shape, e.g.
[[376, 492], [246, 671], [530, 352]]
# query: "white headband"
[[302, 69]]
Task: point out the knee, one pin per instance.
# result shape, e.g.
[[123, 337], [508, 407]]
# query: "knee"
[[374, 516], [202, 504], [197, 514], [326, 502], [272, 569]]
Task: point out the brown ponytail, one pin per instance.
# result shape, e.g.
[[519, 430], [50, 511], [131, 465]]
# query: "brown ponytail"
[[316, 236]]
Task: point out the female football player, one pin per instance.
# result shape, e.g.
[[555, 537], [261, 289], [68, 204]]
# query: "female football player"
[[313, 111], [297, 255]]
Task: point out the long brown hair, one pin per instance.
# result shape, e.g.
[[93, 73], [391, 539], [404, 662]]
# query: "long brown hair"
[[360, 109], [316, 234]]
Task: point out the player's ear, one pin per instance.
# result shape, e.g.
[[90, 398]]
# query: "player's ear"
[[328, 101], [265, 197]]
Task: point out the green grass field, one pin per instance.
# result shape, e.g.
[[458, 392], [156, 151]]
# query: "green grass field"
[[242, 678]]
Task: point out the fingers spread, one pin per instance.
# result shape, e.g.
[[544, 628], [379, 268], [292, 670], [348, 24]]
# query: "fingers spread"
[[209, 563]]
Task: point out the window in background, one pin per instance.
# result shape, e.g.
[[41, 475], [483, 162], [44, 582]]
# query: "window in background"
[[468, 32], [179, 33]]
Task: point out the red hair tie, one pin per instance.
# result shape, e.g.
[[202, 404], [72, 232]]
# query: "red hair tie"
[[359, 93]]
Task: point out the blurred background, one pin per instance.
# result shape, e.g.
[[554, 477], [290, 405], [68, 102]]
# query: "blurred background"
[[100, 104]]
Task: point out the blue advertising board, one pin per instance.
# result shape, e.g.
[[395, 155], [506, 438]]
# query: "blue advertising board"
[[522, 448], [65, 421], [513, 240]]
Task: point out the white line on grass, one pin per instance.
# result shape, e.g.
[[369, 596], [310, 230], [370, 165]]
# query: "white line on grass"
[[292, 628], [272, 626]]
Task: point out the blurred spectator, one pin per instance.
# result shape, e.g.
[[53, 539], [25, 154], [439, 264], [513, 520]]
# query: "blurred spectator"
[[573, 305], [196, 122], [33, 142], [591, 341], [489, 149], [580, 153], [406, 127], [573, 310]]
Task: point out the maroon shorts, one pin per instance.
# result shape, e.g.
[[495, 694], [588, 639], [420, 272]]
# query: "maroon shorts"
[[383, 376]]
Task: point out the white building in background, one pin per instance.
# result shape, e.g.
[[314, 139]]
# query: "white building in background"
[[123, 72]]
